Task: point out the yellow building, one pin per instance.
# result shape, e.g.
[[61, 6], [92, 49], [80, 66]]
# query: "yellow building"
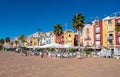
[[15, 42], [108, 31], [26, 44], [15, 45], [69, 38], [34, 42]]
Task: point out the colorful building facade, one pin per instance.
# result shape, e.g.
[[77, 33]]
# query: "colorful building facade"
[[76, 39], [60, 39], [69, 38], [98, 33], [108, 31], [88, 35], [117, 33]]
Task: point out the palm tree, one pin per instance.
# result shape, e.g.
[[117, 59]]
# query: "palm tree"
[[22, 39], [38, 35], [78, 22], [2, 41], [58, 29], [7, 40]]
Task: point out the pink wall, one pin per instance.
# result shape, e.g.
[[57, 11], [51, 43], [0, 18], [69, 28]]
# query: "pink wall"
[[90, 33]]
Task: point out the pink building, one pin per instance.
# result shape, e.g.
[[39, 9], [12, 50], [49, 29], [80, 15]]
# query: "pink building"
[[88, 35]]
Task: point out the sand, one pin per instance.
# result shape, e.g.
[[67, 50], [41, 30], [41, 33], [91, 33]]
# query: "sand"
[[14, 65]]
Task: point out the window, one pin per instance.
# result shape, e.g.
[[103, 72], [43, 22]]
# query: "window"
[[98, 30], [119, 21], [109, 21], [87, 43], [119, 34], [69, 35], [119, 40], [97, 43], [110, 28], [110, 39], [87, 29], [110, 34], [97, 36], [87, 36]]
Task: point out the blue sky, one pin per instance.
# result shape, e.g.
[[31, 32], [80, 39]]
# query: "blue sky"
[[25, 16]]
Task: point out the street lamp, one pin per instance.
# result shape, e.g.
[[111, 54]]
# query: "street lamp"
[[38, 36]]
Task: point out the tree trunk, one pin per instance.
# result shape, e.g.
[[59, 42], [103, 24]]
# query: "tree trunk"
[[79, 41]]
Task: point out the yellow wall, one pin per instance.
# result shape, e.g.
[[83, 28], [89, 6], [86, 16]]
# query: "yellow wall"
[[25, 44], [14, 44], [112, 28], [105, 31], [69, 39], [108, 29], [54, 39], [35, 42]]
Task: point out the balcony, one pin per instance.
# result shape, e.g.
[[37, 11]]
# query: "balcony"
[[110, 28], [87, 32], [87, 38]]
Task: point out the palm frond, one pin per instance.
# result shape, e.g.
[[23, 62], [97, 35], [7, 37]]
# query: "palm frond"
[[78, 21], [58, 29]]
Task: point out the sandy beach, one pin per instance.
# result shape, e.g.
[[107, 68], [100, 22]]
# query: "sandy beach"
[[14, 65]]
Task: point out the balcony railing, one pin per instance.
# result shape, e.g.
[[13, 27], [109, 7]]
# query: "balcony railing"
[[87, 38]]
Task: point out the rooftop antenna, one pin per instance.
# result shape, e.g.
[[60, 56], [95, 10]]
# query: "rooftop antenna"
[[66, 25], [97, 18], [116, 13]]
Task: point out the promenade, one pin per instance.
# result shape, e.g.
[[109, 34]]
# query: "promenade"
[[14, 65]]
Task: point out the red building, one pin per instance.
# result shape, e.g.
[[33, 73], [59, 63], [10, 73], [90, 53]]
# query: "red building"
[[60, 39], [117, 34], [98, 34]]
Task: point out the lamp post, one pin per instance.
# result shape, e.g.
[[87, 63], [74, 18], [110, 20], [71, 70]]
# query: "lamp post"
[[38, 36]]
